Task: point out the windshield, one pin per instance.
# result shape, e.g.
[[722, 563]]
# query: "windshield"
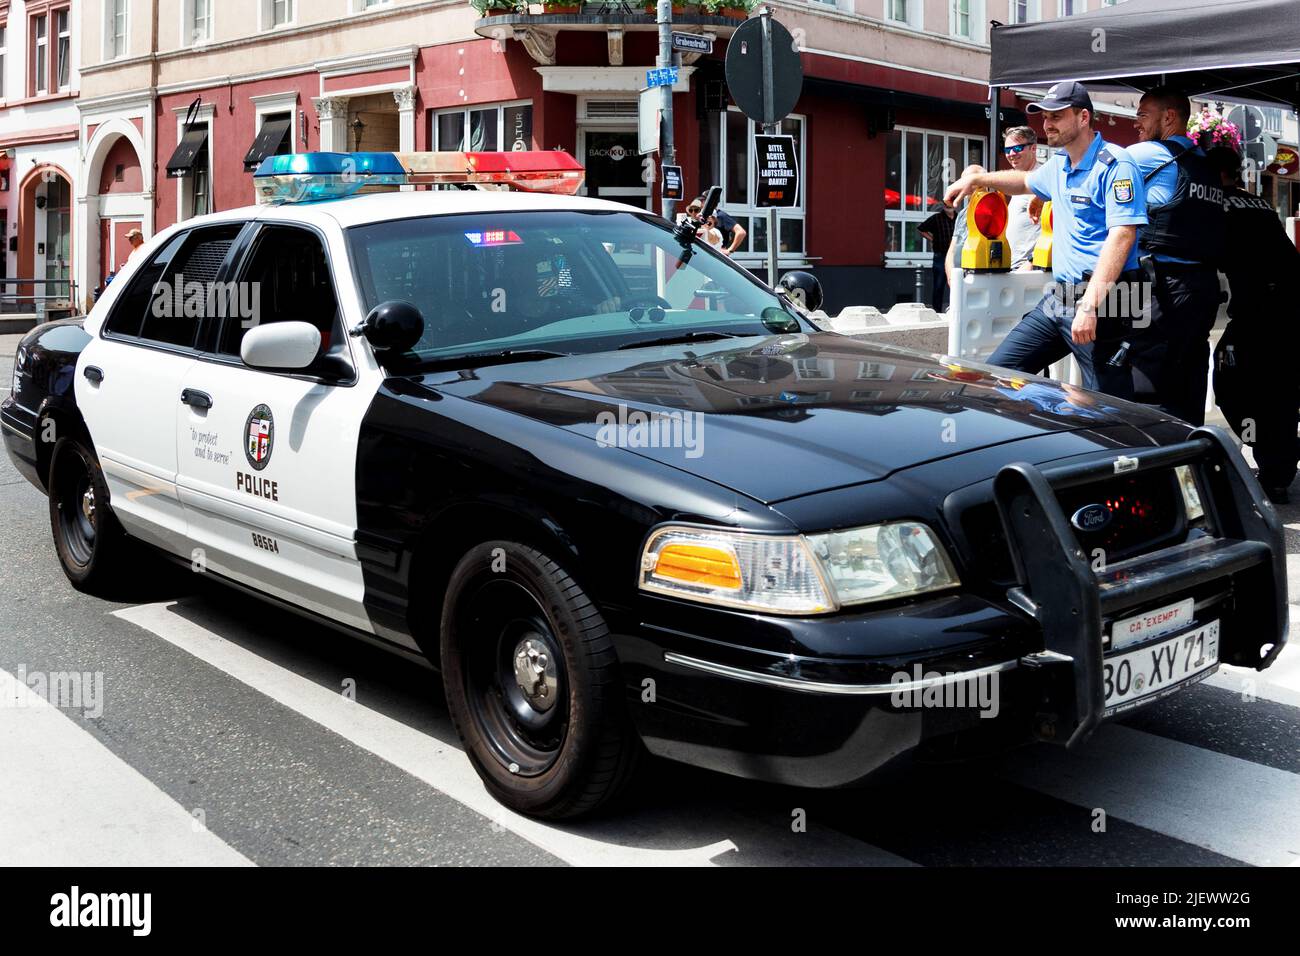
[[563, 281]]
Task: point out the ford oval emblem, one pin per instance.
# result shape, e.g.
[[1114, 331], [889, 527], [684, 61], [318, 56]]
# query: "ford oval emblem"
[[1091, 518]]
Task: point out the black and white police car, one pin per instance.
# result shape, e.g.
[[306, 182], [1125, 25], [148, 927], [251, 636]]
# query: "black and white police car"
[[626, 497]]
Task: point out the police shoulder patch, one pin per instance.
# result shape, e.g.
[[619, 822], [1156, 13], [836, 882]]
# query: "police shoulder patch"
[[1123, 190]]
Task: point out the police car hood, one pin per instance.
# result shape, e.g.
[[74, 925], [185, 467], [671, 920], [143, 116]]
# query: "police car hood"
[[782, 416]]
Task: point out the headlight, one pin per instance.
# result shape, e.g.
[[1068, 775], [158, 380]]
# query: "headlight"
[[795, 574], [1191, 494], [883, 561]]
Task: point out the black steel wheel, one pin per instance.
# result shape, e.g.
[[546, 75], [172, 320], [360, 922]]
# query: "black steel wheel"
[[87, 536], [532, 683]]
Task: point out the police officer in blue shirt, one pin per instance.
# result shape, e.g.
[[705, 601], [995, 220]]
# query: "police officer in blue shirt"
[[1098, 205], [1180, 249]]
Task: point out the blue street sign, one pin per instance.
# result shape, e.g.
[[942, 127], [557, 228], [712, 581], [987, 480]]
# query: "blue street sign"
[[661, 76]]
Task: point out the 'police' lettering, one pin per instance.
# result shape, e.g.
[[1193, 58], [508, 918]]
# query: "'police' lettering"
[[1206, 193], [257, 487]]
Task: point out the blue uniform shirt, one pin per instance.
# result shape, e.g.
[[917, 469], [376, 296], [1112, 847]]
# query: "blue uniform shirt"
[[1150, 154], [1089, 200]]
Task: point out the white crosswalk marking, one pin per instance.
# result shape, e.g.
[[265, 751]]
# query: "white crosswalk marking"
[[692, 835], [1280, 682], [1240, 809], [67, 800]]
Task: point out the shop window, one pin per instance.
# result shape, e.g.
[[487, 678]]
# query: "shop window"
[[727, 160], [484, 128], [919, 166]]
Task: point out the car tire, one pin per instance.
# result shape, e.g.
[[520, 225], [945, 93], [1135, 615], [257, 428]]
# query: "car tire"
[[92, 547], [533, 684]]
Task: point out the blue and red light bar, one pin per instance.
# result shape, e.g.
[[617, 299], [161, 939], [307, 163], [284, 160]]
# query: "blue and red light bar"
[[311, 177]]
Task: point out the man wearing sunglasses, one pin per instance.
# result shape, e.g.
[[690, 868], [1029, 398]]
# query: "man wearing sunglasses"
[[1020, 146], [1098, 204]]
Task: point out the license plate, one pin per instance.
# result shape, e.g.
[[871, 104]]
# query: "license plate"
[[1151, 624], [1150, 672]]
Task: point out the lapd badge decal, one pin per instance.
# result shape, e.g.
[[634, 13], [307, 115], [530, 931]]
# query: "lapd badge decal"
[[1123, 190], [259, 437]]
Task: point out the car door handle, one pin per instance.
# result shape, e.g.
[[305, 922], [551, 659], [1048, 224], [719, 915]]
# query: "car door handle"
[[93, 374], [196, 399]]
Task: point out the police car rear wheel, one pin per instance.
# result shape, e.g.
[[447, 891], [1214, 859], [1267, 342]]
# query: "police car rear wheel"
[[87, 536], [532, 683]]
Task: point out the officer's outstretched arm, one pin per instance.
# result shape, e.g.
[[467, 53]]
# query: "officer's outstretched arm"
[[1009, 181]]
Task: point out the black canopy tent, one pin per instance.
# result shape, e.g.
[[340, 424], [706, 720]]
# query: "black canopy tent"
[[1241, 50]]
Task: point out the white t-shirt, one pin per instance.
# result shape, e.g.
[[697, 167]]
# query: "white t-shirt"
[[1022, 232]]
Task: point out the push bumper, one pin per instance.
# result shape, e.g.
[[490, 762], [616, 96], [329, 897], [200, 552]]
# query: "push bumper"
[[824, 702], [1072, 603]]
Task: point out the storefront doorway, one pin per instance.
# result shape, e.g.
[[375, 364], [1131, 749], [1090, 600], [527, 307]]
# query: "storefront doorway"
[[58, 234], [614, 167]]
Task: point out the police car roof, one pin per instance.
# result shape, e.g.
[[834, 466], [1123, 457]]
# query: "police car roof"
[[388, 206]]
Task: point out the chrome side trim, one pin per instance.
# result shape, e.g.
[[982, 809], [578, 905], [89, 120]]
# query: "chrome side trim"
[[821, 687]]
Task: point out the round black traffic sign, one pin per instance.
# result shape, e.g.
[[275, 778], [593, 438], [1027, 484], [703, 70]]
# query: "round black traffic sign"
[[745, 70]]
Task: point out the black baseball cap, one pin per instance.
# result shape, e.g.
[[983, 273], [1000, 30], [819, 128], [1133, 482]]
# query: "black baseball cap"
[[1063, 95]]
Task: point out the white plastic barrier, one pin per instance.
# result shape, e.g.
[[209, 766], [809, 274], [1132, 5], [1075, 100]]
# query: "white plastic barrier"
[[987, 305]]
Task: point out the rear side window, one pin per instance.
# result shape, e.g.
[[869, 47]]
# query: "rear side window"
[[169, 298]]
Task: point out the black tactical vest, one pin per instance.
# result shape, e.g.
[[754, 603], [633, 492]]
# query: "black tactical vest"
[[1191, 225]]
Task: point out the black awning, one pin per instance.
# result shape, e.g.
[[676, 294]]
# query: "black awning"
[[1243, 49], [274, 137], [191, 146], [896, 100]]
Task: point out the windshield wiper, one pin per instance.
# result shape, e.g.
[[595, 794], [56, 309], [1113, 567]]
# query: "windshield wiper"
[[480, 359], [696, 336]]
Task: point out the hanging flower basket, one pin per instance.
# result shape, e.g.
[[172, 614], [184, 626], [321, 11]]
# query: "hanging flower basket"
[[1209, 130]]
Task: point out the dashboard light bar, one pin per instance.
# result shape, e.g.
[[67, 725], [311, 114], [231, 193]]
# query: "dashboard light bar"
[[310, 177]]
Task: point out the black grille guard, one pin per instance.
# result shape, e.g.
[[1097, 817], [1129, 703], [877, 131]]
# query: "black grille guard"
[[1059, 589]]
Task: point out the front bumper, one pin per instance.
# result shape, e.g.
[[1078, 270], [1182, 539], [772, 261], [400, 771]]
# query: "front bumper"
[[824, 702]]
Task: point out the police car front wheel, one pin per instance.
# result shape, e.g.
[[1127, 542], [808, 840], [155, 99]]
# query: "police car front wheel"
[[532, 683], [87, 536]]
